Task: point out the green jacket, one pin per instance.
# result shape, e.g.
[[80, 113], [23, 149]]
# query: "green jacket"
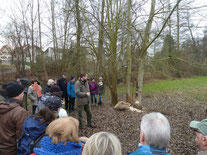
[[81, 89]]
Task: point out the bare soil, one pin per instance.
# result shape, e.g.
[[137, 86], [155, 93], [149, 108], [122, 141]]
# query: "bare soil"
[[179, 110]]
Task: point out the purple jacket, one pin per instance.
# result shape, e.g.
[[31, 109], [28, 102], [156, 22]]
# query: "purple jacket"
[[93, 86]]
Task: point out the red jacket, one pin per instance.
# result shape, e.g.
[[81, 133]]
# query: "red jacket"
[[12, 117]]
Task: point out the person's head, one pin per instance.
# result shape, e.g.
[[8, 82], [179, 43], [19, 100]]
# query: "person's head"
[[64, 75], [53, 103], [201, 133], [155, 130], [63, 129], [104, 143], [72, 78], [56, 91], [50, 82], [34, 82], [100, 79], [46, 114], [83, 76], [15, 90], [18, 78], [92, 79], [25, 82], [55, 80]]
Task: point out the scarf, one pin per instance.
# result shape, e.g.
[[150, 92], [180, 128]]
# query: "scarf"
[[37, 89]]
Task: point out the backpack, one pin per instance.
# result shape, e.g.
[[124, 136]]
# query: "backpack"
[[32, 134]]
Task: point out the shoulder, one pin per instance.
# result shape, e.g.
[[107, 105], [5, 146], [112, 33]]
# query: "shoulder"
[[20, 110], [137, 152]]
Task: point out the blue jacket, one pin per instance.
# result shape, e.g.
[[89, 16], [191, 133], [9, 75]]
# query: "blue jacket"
[[71, 89], [48, 148], [149, 150]]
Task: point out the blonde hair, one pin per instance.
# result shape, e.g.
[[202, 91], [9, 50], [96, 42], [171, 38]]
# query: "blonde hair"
[[102, 143], [63, 129]]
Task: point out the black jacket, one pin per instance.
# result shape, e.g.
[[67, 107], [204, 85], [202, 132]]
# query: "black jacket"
[[62, 83]]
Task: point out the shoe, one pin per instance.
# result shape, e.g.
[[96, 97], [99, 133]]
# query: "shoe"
[[99, 103], [91, 126]]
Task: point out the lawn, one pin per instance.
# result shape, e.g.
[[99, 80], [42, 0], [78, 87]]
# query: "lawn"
[[175, 85], [195, 86]]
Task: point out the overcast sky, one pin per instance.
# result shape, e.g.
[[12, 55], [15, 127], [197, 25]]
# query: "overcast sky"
[[198, 18]]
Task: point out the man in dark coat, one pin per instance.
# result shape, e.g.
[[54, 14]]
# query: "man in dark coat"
[[62, 83], [12, 117], [83, 98]]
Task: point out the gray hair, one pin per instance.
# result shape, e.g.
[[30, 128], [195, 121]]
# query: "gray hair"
[[102, 143], [156, 129]]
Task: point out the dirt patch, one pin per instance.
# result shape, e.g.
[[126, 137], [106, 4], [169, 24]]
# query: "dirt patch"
[[125, 124]]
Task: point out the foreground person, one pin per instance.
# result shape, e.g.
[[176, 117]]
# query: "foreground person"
[[201, 135], [154, 136], [35, 125], [12, 117], [62, 138], [102, 143]]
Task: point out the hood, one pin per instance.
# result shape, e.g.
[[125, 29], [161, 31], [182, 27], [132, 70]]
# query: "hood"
[[5, 107]]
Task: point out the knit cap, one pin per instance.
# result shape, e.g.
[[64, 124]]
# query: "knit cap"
[[14, 89]]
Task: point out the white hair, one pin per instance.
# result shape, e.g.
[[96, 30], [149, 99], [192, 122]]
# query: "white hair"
[[156, 129], [50, 81], [102, 143]]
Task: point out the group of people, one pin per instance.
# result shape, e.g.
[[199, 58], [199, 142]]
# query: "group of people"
[[68, 89], [48, 132]]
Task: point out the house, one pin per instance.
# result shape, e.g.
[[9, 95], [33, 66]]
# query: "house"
[[50, 53], [28, 50], [5, 55]]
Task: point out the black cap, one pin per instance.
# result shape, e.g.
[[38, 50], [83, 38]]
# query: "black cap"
[[53, 103], [14, 89], [25, 82], [56, 91]]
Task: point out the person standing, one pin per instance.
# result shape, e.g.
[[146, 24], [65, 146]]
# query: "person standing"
[[71, 93], [50, 82], [94, 91], [62, 83], [83, 97], [100, 90], [12, 117], [34, 94]]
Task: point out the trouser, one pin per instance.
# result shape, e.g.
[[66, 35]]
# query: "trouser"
[[80, 114], [93, 98], [24, 101], [66, 102], [100, 96], [71, 103], [34, 109]]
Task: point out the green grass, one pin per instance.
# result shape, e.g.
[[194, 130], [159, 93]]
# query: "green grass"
[[193, 88], [172, 85]]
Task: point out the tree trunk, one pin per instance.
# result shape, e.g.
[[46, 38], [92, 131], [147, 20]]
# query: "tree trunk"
[[178, 28], [129, 58], [140, 83], [79, 28], [143, 53], [55, 44], [32, 37], [100, 40], [40, 37]]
